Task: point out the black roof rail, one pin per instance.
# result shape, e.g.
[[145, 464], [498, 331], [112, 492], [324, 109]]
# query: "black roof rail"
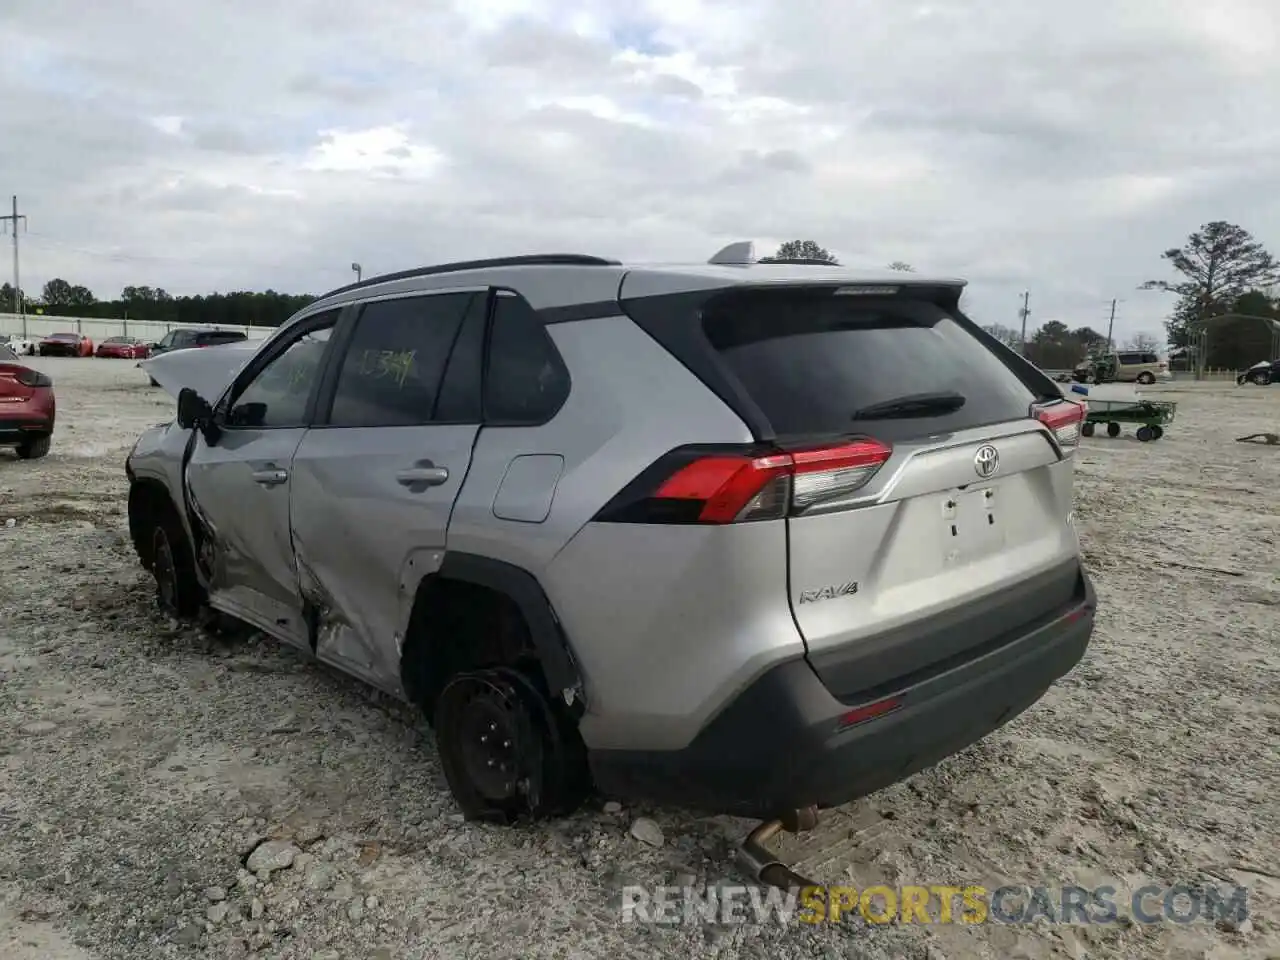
[[526, 260]]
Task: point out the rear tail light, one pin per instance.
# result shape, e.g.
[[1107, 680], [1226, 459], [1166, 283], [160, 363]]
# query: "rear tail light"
[[729, 486], [1063, 418], [33, 378]]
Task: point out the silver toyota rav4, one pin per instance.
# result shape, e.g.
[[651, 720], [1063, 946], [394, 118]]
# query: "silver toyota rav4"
[[741, 537]]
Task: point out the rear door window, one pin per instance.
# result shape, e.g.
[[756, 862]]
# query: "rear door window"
[[1150, 358], [812, 360], [1129, 359], [392, 371]]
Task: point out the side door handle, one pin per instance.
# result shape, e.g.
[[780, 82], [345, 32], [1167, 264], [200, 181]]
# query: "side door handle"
[[422, 474], [270, 477]]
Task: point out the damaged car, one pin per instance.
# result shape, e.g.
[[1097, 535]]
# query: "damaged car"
[[674, 533]]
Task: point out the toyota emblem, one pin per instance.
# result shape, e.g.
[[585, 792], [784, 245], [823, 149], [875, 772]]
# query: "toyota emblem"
[[986, 461]]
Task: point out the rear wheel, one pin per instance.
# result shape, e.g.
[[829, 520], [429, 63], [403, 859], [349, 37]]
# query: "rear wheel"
[[1086, 429], [1147, 377], [1157, 432], [1113, 429], [1146, 433], [505, 751], [34, 448]]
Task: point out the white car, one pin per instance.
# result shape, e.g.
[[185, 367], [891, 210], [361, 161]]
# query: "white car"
[[19, 344]]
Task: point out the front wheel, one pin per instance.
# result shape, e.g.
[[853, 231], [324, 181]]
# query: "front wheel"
[[1086, 429], [178, 591], [1113, 429], [1261, 378], [1157, 432], [505, 751], [1146, 433]]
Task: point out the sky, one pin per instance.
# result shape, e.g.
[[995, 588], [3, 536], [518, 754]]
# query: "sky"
[[1055, 148]]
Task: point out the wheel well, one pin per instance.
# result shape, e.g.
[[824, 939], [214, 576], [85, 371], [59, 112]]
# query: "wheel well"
[[457, 625], [148, 500]]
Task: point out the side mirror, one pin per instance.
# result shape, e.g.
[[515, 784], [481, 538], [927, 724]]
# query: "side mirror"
[[193, 410]]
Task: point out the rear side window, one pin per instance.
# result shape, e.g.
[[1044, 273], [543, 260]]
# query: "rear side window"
[[393, 367], [1150, 358], [812, 361], [1130, 358], [526, 382]]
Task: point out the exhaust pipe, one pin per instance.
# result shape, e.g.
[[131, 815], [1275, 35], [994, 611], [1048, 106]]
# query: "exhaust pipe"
[[761, 864]]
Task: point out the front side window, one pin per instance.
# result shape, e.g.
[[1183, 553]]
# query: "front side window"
[[391, 373], [277, 396]]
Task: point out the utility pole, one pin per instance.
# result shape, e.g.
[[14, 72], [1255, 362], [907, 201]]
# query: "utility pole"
[[1111, 347], [1024, 313], [17, 290]]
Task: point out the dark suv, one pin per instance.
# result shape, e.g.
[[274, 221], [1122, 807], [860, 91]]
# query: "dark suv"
[[182, 339]]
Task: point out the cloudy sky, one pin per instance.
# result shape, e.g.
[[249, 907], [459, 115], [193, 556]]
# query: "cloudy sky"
[[223, 144]]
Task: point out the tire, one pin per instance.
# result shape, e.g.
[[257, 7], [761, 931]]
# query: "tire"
[[36, 447], [1261, 378], [178, 590], [1157, 432], [1146, 378], [1086, 429], [1113, 429], [1146, 434], [507, 753]]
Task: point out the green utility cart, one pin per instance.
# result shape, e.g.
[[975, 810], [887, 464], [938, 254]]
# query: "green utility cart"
[[1151, 416]]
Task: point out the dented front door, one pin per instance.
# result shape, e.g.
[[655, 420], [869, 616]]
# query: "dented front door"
[[240, 490], [239, 485]]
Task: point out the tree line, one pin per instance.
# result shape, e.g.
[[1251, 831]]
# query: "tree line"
[[266, 308], [1226, 283]]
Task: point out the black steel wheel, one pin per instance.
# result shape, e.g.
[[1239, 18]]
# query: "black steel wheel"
[[1113, 429], [178, 590], [1086, 429], [1157, 432], [506, 752]]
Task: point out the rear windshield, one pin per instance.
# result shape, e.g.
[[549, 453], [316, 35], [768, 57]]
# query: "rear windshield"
[[811, 361], [223, 335]]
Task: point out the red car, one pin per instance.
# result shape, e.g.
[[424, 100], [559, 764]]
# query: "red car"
[[66, 345], [124, 348], [26, 407]]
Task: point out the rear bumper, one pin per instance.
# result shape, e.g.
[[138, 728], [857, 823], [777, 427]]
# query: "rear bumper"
[[779, 745], [16, 430]]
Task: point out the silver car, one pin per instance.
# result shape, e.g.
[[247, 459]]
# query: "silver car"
[[740, 537]]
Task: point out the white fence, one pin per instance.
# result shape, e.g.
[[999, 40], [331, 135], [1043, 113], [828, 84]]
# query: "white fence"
[[39, 325]]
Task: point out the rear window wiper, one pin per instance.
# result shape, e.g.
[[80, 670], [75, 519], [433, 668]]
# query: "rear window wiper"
[[912, 405]]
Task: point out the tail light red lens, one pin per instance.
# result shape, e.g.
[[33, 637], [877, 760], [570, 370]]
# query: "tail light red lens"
[[1063, 417], [730, 487], [32, 378]]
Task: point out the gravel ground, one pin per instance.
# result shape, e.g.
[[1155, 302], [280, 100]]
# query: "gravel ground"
[[142, 765]]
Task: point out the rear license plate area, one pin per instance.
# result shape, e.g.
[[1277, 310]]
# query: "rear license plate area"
[[971, 527]]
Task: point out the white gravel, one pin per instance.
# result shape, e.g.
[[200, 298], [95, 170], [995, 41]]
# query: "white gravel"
[[141, 765]]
